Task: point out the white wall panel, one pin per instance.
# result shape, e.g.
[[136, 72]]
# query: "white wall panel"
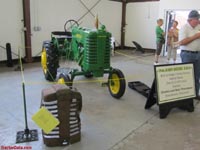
[[141, 22], [178, 5], [10, 26], [51, 15]]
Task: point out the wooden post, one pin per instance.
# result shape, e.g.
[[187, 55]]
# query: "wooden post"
[[27, 30], [123, 24]]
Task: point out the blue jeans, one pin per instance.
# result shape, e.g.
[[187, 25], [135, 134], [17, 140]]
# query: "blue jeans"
[[195, 58]]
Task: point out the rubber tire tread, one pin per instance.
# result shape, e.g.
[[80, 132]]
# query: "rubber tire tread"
[[122, 83], [52, 62]]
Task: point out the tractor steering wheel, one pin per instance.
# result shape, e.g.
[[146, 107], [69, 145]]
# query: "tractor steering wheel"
[[69, 24]]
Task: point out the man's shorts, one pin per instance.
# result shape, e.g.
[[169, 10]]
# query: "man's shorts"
[[158, 47]]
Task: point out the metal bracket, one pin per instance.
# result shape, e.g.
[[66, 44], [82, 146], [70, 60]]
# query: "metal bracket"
[[26, 136]]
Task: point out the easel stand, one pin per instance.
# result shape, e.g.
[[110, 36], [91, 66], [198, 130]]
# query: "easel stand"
[[164, 109], [186, 104]]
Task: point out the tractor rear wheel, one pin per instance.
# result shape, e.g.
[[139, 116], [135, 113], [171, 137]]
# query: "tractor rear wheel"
[[116, 83], [49, 61], [65, 79]]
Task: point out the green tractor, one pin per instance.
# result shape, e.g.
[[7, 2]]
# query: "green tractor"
[[90, 48]]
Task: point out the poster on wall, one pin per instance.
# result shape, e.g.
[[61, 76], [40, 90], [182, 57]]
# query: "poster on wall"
[[174, 82]]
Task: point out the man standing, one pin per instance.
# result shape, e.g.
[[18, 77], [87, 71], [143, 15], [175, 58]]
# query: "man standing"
[[160, 40], [189, 40], [172, 39]]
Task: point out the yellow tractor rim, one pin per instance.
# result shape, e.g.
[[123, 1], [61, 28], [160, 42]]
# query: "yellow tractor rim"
[[44, 60], [114, 84], [61, 81]]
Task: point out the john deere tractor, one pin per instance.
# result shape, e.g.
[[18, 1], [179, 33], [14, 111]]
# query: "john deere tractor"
[[90, 48]]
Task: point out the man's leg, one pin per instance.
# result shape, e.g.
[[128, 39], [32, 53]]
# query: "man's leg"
[[174, 54], [192, 57], [158, 51], [197, 71]]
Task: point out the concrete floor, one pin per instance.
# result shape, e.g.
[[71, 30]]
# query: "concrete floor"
[[107, 123]]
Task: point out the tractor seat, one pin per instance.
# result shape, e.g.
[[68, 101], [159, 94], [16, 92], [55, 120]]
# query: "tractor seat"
[[61, 33], [61, 36]]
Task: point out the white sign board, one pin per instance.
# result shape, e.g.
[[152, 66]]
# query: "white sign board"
[[175, 82]]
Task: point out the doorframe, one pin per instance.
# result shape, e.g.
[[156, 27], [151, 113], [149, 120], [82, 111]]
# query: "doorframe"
[[166, 27], [186, 11]]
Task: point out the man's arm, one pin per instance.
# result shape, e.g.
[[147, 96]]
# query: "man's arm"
[[188, 40]]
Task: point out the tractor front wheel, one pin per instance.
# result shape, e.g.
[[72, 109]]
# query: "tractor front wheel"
[[116, 83], [49, 61], [65, 79]]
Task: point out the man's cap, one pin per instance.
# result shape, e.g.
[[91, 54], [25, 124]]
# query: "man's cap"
[[194, 14]]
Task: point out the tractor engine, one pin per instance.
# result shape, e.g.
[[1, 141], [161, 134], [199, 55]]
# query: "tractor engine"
[[91, 49]]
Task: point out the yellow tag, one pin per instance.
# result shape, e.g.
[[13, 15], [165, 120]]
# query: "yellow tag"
[[45, 120]]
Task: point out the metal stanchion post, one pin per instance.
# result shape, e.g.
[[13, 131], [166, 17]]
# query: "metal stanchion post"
[[26, 135]]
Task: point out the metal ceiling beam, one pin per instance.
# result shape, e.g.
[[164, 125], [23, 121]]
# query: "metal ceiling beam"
[[132, 1], [116, 0]]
